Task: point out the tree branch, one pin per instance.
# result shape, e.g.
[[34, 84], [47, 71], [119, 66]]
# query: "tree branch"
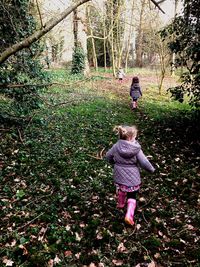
[[38, 34], [157, 4]]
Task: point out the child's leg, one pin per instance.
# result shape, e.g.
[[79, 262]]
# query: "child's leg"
[[121, 199], [133, 104], [129, 217], [136, 104], [132, 195]]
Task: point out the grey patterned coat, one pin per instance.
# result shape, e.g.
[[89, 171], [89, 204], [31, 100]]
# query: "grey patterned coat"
[[127, 157]]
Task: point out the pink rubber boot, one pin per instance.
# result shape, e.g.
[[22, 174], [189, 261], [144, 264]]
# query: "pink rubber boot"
[[121, 199], [130, 211]]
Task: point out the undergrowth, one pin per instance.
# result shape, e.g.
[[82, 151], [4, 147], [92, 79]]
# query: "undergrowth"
[[57, 194]]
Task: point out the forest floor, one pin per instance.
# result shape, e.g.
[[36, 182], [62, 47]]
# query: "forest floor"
[[57, 195]]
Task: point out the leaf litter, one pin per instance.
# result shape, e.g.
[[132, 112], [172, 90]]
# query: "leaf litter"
[[57, 194]]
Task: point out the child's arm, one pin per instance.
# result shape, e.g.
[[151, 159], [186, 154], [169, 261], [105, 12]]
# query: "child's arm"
[[109, 155], [144, 162], [131, 91], [140, 91]]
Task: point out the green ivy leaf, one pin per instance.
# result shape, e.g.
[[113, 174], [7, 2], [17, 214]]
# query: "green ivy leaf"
[[20, 194]]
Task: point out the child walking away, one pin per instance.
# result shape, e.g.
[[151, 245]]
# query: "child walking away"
[[135, 91], [127, 156], [120, 75]]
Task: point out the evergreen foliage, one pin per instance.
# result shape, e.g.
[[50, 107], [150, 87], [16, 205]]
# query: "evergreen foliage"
[[78, 60], [16, 23], [185, 32]]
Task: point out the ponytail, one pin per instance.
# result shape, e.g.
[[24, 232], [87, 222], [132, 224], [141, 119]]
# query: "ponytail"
[[125, 132]]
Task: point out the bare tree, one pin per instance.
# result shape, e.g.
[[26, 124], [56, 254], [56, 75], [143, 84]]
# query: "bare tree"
[[173, 54], [90, 29], [104, 44], [26, 42], [140, 36], [131, 27], [111, 39], [164, 57]]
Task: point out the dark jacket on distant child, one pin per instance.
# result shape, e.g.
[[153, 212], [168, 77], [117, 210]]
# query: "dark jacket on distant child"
[[135, 91]]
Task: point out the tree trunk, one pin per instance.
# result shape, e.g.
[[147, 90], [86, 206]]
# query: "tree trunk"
[[75, 27], [173, 55], [38, 34], [104, 45], [94, 55], [112, 41], [119, 38], [129, 38], [164, 62], [140, 37]]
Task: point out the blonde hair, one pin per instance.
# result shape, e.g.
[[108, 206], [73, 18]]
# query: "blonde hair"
[[126, 132]]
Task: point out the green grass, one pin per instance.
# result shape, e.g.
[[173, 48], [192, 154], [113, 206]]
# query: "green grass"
[[161, 106], [135, 71], [57, 197]]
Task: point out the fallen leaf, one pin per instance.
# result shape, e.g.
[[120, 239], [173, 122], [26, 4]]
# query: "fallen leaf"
[[77, 255], [78, 238], [121, 248], [160, 233], [163, 174], [56, 260], [67, 253], [190, 227], [50, 263], [158, 220], [142, 199], [183, 241], [99, 236], [117, 262], [157, 255], [82, 225], [68, 227], [42, 233], [25, 251], [8, 262]]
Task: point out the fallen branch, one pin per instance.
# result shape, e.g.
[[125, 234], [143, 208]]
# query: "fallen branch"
[[147, 202], [25, 225], [101, 152], [4, 129], [94, 157], [135, 227], [98, 156], [20, 136], [144, 218]]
